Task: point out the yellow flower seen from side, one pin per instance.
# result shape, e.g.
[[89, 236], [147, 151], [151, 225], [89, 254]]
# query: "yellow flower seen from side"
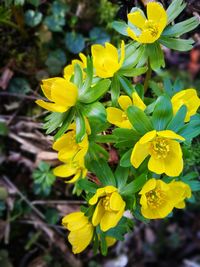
[[165, 152], [68, 149], [106, 59], [186, 97], [61, 93], [118, 116], [69, 70], [158, 198], [73, 168], [81, 231], [109, 207], [147, 30]]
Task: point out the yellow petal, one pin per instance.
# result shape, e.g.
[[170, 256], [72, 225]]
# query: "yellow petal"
[[98, 213], [46, 87], [156, 165], [146, 37], [124, 102], [84, 59], [170, 134], [109, 189], [157, 14], [65, 170], [148, 186], [68, 72], [99, 193], [174, 161], [111, 219], [51, 106], [64, 93], [137, 101], [137, 19], [122, 55], [132, 34], [81, 238], [74, 221], [116, 201], [116, 116], [111, 51], [139, 153], [148, 137], [186, 97]]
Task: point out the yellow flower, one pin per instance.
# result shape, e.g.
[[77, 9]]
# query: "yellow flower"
[[118, 117], [74, 168], [165, 152], [186, 97], [158, 198], [81, 231], [68, 148], [106, 59], [145, 30], [62, 94], [109, 209], [69, 70]]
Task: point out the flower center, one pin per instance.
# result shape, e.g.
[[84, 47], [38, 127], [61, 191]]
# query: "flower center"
[[151, 27], [155, 198], [106, 203], [160, 147]]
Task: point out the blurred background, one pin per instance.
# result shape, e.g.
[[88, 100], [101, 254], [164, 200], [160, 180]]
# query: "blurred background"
[[37, 39]]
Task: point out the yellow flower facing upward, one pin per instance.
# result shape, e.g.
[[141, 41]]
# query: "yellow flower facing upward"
[[68, 149], [118, 116], [81, 231], [147, 30], [165, 152], [186, 97], [158, 198], [69, 70], [109, 209], [62, 94], [72, 168], [106, 59]]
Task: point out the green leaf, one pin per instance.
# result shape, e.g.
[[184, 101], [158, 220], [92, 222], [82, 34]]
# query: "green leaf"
[[54, 23], [74, 42], [80, 126], [133, 54], [89, 76], [163, 113], [177, 44], [181, 27], [115, 90], [96, 152], [56, 61], [67, 121], [88, 186], [127, 86], [139, 120], [134, 186], [95, 92], [155, 88], [108, 138], [156, 56], [104, 247], [125, 159], [133, 72], [168, 86], [53, 121], [19, 85], [103, 172], [121, 176], [32, 17], [121, 27], [78, 75], [3, 128], [178, 120], [124, 226], [174, 9], [99, 36], [126, 137], [191, 129]]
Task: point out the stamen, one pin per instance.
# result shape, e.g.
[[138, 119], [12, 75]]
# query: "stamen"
[[159, 147], [155, 198]]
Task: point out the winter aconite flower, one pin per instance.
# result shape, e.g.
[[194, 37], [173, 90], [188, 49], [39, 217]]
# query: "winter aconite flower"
[[165, 152], [109, 209], [61, 93], [147, 30], [72, 168], [106, 59], [118, 116], [81, 231], [68, 148], [69, 70], [186, 97], [158, 198]]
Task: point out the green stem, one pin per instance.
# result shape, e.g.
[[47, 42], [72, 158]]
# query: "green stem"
[[148, 77]]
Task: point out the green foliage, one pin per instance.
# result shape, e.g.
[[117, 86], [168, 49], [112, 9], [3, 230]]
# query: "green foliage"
[[33, 18], [74, 42], [43, 179], [56, 60], [19, 85]]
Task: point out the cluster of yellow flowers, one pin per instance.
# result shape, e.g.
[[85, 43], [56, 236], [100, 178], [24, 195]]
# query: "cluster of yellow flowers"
[[75, 91]]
